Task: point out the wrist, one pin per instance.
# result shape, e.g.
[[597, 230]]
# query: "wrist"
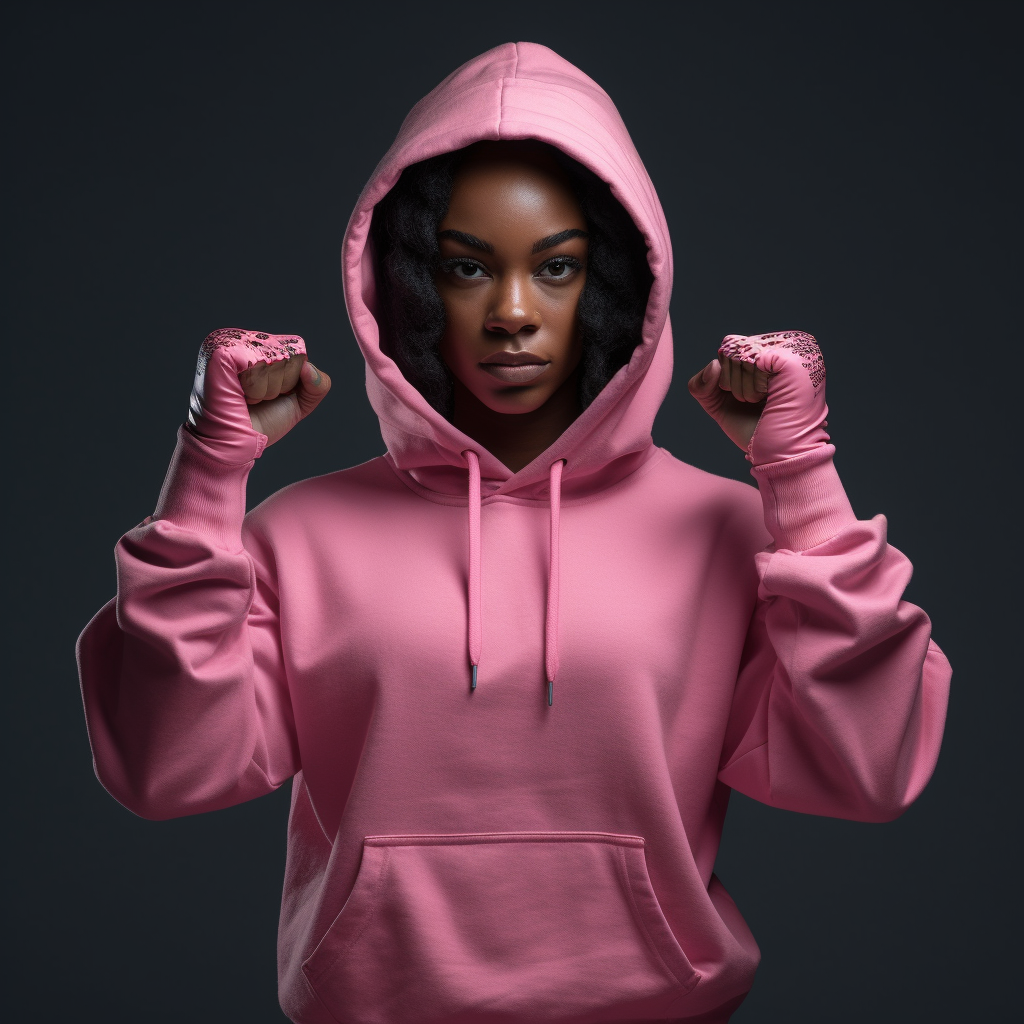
[[774, 442], [234, 445]]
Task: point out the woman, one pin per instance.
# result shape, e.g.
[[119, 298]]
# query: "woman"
[[514, 666]]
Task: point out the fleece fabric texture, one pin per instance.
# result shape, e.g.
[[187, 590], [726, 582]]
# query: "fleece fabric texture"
[[644, 637]]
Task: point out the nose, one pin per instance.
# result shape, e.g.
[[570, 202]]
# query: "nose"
[[511, 311]]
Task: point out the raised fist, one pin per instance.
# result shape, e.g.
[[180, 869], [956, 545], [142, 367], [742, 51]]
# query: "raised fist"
[[250, 389], [767, 392]]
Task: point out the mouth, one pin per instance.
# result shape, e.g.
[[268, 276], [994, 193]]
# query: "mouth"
[[514, 367]]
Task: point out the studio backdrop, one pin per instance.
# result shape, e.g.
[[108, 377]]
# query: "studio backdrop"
[[842, 169]]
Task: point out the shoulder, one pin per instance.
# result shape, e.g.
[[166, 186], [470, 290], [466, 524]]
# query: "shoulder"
[[705, 494], [705, 486], [319, 500]]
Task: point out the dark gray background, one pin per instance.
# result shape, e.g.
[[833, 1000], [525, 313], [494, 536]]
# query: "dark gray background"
[[839, 168]]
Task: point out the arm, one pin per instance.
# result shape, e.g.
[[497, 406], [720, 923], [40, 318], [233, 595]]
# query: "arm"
[[183, 682], [841, 695]]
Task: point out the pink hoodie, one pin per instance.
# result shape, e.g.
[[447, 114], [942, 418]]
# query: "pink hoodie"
[[643, 638]]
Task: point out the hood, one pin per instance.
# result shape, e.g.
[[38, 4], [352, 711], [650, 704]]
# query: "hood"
[[517, 91]]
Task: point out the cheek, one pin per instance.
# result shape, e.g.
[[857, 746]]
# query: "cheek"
[[564, 322], [461, 323]]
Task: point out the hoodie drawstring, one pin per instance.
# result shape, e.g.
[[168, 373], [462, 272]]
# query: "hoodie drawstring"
[[473, 598], [551, 614], [473, 595]]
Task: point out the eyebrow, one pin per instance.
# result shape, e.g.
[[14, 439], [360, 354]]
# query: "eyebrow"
[[563, 236], [466, 239], [548, 242]]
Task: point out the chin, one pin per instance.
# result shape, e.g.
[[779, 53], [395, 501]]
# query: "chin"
[[514, 405]]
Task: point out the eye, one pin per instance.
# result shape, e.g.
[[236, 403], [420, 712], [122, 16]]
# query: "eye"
[[560, 268], [465, 270]]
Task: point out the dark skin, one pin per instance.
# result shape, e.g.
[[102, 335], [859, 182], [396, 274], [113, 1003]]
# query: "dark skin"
[[513, 248], [513, 264]]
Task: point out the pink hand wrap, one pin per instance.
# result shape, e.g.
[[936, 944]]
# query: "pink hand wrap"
[[793, 419], [218, 413]]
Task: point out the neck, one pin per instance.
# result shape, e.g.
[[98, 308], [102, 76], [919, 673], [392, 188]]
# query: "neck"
[[516, 439]]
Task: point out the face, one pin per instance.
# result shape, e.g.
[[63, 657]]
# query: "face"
[[513, 263]]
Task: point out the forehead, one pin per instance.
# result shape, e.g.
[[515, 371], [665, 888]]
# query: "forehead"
[[503, 192]]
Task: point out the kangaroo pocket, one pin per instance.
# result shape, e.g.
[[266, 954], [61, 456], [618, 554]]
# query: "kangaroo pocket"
[[512, 926]]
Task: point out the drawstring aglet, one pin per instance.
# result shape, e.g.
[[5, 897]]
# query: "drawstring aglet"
[[551, 691], [472, 684]]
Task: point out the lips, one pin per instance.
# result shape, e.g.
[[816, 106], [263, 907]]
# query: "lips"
[[514, 367]]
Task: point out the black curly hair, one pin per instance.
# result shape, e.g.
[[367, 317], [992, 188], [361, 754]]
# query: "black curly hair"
[[411, 314]]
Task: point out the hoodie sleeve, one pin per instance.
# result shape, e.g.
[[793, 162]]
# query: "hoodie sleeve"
[[841, 695], [183, 682]]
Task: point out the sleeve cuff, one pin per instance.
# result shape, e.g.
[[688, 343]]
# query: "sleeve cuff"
[[804, 500], [201, 492]]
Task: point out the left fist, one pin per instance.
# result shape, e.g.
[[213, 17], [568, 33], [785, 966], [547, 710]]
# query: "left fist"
[[767, 392]]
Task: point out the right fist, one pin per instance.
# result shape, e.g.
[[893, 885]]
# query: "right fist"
[[251, 389]]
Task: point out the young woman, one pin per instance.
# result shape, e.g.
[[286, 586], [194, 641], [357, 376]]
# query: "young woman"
[[514, 666]]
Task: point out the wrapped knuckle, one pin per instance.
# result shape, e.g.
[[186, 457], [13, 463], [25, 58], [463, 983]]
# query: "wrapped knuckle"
[[799, 343], [225, 337], [259, 346], [739, 348]]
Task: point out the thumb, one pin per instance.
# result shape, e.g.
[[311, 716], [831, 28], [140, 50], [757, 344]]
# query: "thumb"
[[705, 384], [313, 387]]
